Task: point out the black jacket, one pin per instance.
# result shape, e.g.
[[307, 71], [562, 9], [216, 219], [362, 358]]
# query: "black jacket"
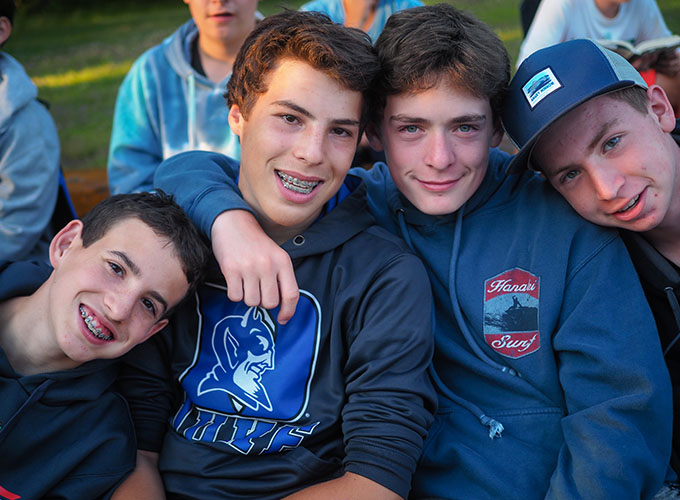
[[661, 283]]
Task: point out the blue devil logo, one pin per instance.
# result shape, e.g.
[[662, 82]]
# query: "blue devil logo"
[[247, 344], [246, 364]]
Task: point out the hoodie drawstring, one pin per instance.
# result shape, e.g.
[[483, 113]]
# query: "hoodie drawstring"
[[495, 427], [191, 110], [456, 305]]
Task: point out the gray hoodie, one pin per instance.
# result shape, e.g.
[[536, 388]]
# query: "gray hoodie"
[[29, 165]]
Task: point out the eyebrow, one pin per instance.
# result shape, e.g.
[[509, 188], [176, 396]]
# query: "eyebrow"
[[303, 111], [601, 132], [453, 121], [136, 271]]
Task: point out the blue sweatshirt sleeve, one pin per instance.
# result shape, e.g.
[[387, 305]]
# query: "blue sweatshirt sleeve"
[[390, 399], [618, 427], [204, 184], [136, 147]]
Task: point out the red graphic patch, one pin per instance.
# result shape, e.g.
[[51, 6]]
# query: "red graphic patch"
[[511, 302]]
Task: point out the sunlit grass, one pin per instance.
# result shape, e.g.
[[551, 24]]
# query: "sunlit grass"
[[87, 75]]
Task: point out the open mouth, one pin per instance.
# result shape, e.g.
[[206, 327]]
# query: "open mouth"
[[94, 327], [630, 205], [297, 185]]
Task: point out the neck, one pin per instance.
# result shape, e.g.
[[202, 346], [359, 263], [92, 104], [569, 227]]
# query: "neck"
[[281, 234], [26, 337], [217, 61], [608, 8], [359, 13]]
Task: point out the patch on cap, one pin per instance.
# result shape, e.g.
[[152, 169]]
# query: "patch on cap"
[[540, 86]]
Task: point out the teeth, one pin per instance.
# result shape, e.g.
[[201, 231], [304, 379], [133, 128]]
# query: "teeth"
[[93, 327], [630, 205], [297, 185]]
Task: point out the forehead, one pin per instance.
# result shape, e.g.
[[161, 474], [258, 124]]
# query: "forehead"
[[296, 77], [441, 100]]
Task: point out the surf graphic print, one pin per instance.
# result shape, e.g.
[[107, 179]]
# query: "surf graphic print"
[[511, 301]]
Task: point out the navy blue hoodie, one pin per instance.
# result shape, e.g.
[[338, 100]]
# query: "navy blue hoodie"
[[62, 434]]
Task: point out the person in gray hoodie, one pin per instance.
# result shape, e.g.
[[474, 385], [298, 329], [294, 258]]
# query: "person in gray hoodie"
[[29, 158], [172, 98]]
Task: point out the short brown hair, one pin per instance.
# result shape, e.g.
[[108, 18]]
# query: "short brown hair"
[[344, 54], [423, 46], [636, 97]]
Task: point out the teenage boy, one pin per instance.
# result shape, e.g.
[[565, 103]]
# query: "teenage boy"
[[550, 384], [171, 100], [336, 402], [603, 139], [114, 279]]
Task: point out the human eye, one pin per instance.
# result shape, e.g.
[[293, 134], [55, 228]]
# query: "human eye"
[[467, 128], [409, 129], [292, 119], [569, 176], [149, 306], [611, 143], [341, 132], [115, 268]]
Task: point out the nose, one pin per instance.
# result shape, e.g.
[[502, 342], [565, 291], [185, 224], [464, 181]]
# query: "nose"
[[309, 146], [606, 181], [440, 154], [119, 304]]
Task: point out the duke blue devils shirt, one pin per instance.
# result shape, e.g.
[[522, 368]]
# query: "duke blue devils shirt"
[[243, 407]]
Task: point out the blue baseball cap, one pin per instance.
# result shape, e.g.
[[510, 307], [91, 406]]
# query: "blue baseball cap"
[[553, 81]]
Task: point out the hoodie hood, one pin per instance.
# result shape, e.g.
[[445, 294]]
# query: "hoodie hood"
[[177, 49], [16, 88]]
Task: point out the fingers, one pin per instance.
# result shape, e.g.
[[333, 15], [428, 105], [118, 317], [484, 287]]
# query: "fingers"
[[289, 293], [265, 282]]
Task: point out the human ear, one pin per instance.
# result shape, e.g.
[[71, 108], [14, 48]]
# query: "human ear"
[[157, 327], [236, 119], [373, 136], [64, 240], [661, 108], [5, 29]]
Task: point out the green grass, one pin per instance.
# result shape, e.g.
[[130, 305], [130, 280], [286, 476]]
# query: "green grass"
[[79, 58]]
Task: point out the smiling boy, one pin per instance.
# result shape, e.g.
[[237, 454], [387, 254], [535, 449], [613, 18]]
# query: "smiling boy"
[[335, 402], [115, 277], [607, 147], [545, 390]]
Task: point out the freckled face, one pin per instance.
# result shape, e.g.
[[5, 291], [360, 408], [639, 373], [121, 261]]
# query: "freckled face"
[[616, 166], [110, 296], [437, 146]]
